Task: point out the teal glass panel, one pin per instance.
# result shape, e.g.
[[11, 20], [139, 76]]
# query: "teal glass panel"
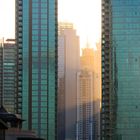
[[25, 63], [121, 63], [39, 67]]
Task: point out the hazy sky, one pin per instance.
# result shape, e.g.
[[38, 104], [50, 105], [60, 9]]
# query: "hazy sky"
[[7, 20], [85, 14]]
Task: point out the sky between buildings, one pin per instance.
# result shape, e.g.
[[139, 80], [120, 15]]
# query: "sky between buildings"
[[85, 14]]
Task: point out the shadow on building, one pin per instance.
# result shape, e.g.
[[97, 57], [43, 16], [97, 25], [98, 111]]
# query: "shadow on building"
[[3, 127], [10, 127]]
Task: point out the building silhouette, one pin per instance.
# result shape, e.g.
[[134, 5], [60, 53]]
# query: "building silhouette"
[[10, 127], [3, 128], [68, 66], [36, 39], [120, 119]]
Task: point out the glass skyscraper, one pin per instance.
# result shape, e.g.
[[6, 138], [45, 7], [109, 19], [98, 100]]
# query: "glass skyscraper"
[[120, 70], [8, 67], [36, 34]]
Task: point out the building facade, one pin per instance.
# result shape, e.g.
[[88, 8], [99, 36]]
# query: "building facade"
[[87, 58], [1, 71], [120, 70], [97, 86], [8, 67], [61, 88], [85, 119], [36, 35], [90, 61], [68, 66]]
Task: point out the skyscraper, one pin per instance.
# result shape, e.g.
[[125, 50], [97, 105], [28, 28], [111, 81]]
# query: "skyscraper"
[[97, 86], [87, 58], [36, 35], [85, 120], [120, 70], [68, 66], [89, 62], [8, 68]]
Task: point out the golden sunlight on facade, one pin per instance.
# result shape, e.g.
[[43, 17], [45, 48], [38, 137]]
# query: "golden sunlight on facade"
[[91, 65]]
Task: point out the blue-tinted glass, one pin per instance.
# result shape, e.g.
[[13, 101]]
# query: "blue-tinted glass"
[[123, 40], [39, 67]]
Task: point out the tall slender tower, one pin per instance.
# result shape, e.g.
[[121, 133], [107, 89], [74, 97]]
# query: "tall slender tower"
[[120, 119], [85, 116], [36, 35], [68, 66]]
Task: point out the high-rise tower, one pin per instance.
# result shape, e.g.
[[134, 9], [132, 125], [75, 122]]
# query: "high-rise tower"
[[120, 119], [85, 116], [90, 61], [36, 35], [8, 77], [68, 66]]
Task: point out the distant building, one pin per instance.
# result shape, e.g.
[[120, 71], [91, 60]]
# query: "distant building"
[[1, 70], [85, 119], [87, 58], [91, 62], [97, 86], [68, 66], [8, 73]]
